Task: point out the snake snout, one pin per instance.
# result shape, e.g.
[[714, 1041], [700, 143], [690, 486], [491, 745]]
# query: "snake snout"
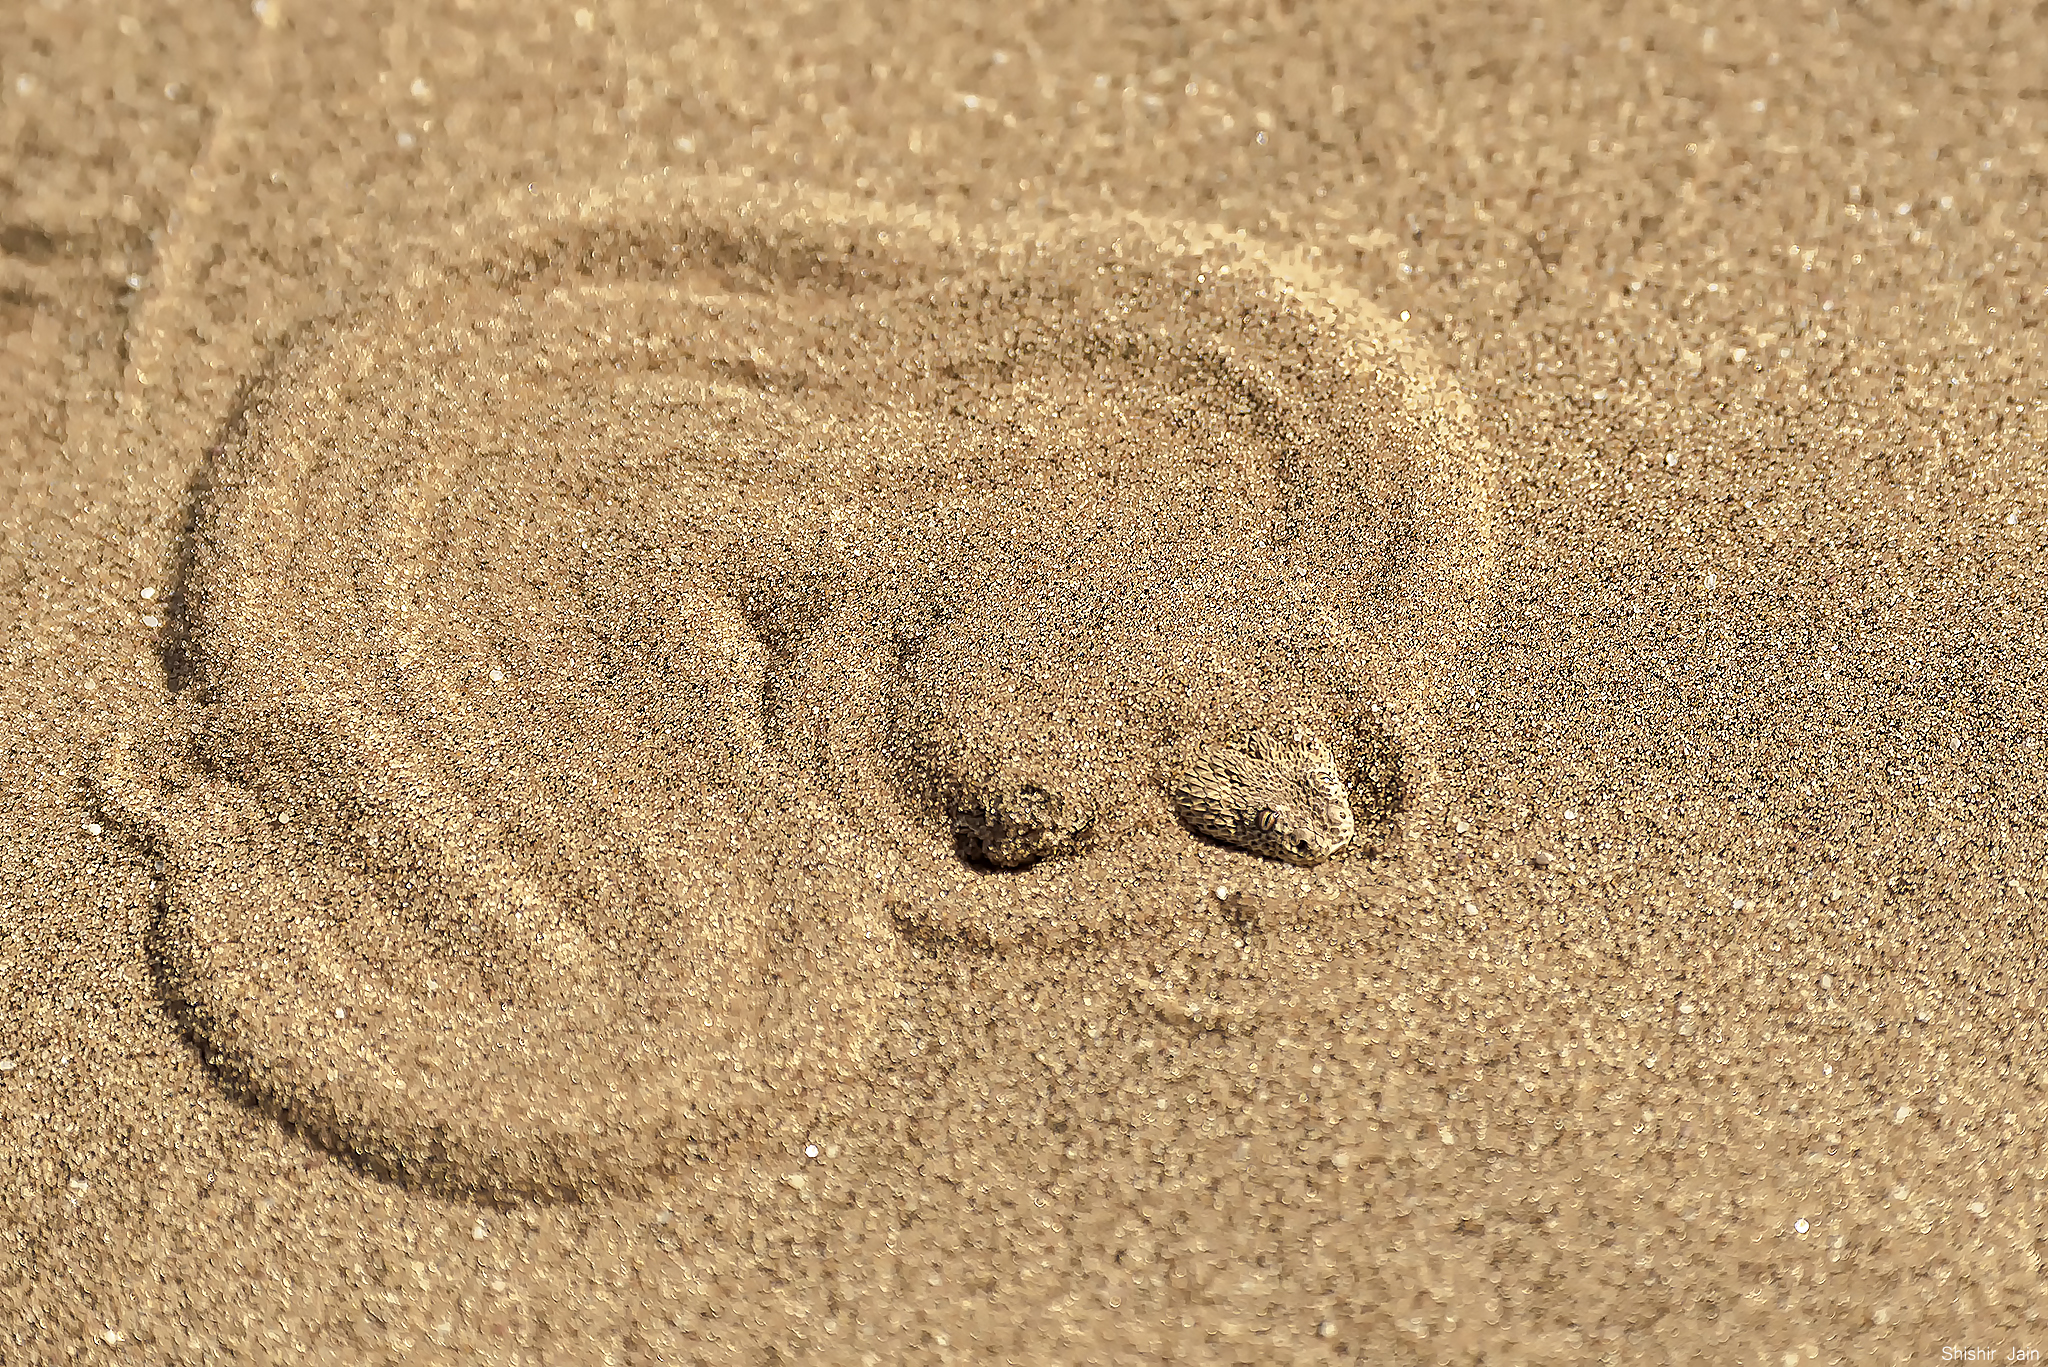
[[1014, 824], [1308, 842]]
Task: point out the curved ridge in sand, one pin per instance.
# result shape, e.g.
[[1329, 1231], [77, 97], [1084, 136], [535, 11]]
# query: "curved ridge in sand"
[[586, 642]]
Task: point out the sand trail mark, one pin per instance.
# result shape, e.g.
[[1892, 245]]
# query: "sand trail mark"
[[599, 654]]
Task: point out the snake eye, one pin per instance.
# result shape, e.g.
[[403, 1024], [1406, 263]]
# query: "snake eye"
[[1266, 819]]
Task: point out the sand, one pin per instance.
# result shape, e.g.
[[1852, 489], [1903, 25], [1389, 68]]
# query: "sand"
[[523, 529]]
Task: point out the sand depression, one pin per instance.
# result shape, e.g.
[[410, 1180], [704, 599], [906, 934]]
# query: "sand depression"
[[601, 661]]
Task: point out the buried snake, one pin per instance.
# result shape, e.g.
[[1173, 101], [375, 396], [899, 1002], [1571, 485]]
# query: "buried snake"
[[525, 864]]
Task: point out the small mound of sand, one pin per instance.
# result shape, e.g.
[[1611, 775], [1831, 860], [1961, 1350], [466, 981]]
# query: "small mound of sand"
[[586, 653]]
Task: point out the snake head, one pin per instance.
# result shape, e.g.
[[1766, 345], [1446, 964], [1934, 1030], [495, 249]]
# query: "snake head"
[[1277, 796]]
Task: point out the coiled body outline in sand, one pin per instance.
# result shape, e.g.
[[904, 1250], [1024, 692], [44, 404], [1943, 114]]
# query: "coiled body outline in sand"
[[525, 867]]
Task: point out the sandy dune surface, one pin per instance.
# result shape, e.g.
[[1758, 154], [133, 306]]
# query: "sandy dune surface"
[[604, 603]]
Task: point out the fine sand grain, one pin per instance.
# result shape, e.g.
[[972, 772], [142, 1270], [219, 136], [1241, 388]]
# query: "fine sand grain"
[[648, 652]]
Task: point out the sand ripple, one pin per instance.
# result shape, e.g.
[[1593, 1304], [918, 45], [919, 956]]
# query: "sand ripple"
[[582, 647]]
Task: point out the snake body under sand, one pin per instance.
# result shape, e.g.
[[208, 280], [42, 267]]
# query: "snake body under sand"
[[595, 664]]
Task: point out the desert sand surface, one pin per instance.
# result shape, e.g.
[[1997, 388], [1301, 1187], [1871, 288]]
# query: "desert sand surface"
[[603, 605]]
